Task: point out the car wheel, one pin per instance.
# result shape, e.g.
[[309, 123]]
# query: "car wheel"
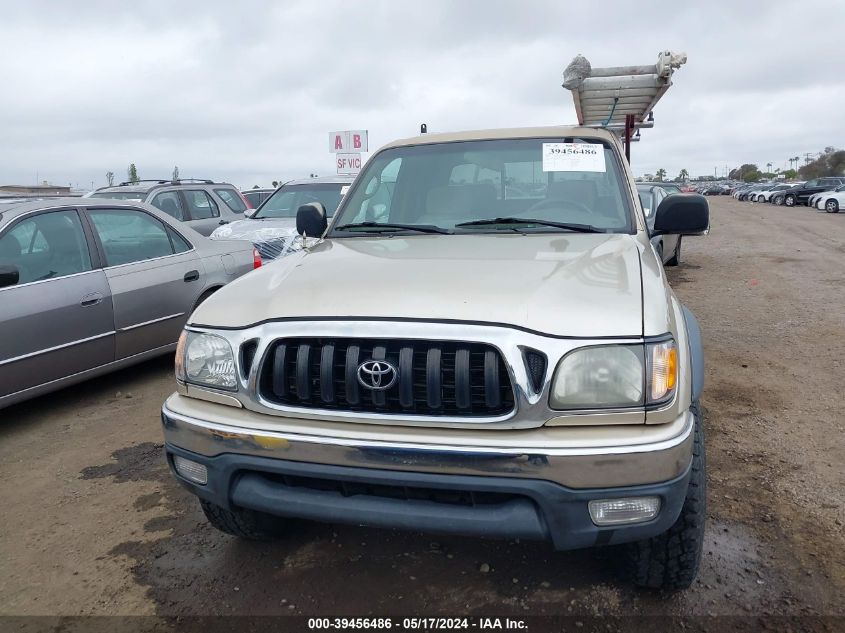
[[778, 200], [671, 560], [243, 523], [789, 200], [831, 206], [676, 256]]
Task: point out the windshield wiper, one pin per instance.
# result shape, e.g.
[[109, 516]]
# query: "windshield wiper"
[[579, 228], [420, 228]]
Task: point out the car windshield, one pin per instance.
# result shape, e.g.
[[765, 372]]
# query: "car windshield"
[[288, 198], [120, 195], [647, 198], [562, 184]]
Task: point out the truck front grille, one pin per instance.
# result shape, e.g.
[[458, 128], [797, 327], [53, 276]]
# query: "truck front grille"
[[435, 378]]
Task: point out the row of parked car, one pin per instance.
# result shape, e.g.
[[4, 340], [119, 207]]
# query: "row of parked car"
[[89, 285], [218, 210], [827, 194]]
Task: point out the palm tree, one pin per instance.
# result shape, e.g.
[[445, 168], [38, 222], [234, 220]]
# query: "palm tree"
[[683, 175], [660, 175], [769, 167]]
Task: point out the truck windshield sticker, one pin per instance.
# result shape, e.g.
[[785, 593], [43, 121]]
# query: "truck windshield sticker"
[[573, 157]]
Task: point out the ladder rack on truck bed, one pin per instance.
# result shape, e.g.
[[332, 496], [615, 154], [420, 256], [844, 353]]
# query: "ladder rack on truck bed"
[[620, 98]]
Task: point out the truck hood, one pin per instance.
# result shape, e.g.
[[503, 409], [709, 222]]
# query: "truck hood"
[[572, 284]]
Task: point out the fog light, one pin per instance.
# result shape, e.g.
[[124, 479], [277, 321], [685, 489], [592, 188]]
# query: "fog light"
[[622, 511], [191, 470]]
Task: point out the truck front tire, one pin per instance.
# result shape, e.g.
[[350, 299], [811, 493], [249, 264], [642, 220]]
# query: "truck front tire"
[[670, 560], [243, 523]]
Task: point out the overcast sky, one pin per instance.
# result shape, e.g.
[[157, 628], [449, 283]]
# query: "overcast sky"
[[248, 91]]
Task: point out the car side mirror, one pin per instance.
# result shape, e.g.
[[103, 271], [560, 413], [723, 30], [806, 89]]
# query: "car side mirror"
[[311, 220], [249, 213], [9, 276], [682, 214]]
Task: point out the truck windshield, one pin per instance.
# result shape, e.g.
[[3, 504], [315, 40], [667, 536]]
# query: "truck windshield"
[[464, 186]]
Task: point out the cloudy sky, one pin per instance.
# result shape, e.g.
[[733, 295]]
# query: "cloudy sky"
[[248, 91]]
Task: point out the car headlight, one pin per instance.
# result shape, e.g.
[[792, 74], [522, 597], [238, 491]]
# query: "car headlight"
[[205, 359], [615, 376]]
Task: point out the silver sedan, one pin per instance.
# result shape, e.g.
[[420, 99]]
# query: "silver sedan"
[[88, 286]]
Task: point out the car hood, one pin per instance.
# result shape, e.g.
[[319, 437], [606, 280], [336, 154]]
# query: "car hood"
[[248, 229], [572, 284]]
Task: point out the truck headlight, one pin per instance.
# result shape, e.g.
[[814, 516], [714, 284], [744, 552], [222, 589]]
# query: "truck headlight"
[[206, 359], [599, 377], [615, 376]]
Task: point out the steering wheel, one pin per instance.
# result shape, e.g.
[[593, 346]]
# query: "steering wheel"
[[557, 203]]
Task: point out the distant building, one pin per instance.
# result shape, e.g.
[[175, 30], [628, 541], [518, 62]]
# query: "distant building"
[[44, 190]]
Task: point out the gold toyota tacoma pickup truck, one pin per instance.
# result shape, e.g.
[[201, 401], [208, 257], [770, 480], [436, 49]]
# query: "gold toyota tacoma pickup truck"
[[482, 342]]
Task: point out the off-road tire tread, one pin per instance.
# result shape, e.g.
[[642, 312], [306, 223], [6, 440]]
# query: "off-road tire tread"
[[670, 561], [243, 523]]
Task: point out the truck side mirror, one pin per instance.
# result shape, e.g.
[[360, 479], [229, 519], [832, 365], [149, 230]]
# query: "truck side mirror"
[[682, 214], [9, 275], [311, 219]]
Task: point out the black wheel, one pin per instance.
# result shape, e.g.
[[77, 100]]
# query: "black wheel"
[[778, 200], [671, 560], [831, 206], [789, 200], [246, 524], [676, 256]]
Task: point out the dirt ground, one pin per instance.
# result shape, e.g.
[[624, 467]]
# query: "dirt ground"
[[93, 523]]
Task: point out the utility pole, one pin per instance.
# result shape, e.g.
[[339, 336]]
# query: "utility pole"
[[807, 158]]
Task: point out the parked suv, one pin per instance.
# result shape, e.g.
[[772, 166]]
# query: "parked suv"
[[201, 204], [272, 226], [482, 342], [257, 196], [800, 195]]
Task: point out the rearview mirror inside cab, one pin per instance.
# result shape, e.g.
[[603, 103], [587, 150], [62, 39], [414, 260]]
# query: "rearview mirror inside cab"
[[9, 276], [683, 214], [311, 219]]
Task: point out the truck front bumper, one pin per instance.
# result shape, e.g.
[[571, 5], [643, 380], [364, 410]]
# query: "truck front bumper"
[[505, 484]]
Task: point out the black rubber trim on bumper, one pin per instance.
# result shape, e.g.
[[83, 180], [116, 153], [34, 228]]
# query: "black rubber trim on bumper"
[[539, 510]]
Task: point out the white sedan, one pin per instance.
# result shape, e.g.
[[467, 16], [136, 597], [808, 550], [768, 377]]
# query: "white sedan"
[[832, 201], [766, 194], [816, 198]]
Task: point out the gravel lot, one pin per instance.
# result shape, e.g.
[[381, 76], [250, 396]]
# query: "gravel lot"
[[93, 523]]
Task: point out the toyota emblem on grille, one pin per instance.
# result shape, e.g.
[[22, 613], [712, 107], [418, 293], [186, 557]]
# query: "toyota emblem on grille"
[[377, 375]]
